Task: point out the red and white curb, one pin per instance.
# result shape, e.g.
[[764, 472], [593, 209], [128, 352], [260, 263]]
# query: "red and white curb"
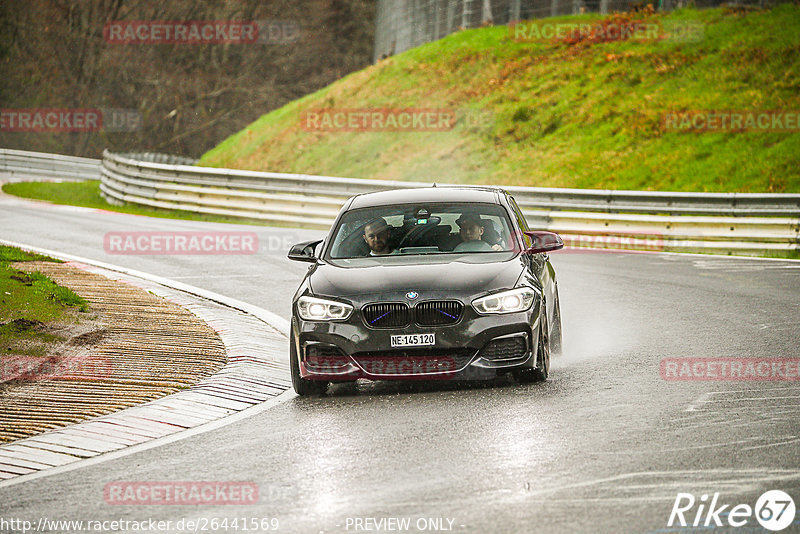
[[255, 378]]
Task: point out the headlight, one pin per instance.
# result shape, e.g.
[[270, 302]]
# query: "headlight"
[[515, 300], [314, 309]]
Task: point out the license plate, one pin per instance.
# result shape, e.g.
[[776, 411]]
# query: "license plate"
[[413, 340]]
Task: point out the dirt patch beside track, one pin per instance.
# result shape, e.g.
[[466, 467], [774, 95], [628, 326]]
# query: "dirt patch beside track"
[[131, 347]]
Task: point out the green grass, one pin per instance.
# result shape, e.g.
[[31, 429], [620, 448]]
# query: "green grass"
[[564, 116], [87, 194], [787, 255], [28, 301], [11, 254]]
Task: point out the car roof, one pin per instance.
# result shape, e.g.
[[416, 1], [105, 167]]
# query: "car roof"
[[445, 193]]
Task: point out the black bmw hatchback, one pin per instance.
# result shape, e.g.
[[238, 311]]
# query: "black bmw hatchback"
[[422, 284]]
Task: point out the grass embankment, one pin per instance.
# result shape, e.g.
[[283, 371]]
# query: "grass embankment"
[[28, 302], [87, 194], [563, 115]]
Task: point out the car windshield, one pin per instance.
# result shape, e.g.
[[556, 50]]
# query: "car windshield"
[[418, 229]]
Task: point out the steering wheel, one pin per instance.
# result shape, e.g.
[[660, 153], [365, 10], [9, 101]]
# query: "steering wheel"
[[416, 233]]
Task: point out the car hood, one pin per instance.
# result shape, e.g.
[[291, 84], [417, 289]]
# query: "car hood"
[[390, 278]]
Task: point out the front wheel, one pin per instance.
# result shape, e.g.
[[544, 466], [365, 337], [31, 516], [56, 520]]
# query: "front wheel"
[[539, 374], [302, 386]]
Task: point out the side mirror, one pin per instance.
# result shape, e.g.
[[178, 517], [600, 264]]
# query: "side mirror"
[[304, 251], [543, 242]]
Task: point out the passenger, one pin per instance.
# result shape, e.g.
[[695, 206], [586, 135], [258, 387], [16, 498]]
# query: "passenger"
[[472, 228], [376, 235]]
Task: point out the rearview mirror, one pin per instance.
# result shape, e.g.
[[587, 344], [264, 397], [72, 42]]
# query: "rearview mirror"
[[304, 251], [543, 241]]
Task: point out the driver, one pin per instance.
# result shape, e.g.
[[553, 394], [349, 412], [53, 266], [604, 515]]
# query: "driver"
[[471, 228], [376, 235]]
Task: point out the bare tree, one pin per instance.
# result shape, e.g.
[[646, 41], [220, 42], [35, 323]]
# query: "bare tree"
[[190, 96]]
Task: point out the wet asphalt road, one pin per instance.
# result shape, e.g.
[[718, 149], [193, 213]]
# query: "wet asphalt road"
[[604, 446]]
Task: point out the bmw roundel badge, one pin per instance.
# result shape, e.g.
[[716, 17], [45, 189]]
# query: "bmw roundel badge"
[[412, 295]]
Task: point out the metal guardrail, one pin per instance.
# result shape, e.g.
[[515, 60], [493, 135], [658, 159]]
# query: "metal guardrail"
[[157, 157], [660, 202], [707, 222], [23, 165], [639, 220]]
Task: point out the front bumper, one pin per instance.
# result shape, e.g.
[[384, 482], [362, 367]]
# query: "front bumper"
[[476, 347]]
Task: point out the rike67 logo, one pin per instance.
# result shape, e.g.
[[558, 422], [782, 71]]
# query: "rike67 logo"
[[774, 510]]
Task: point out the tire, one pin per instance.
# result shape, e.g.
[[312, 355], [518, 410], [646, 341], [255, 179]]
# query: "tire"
[[302, 386], [539, 374], [556, 341]]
